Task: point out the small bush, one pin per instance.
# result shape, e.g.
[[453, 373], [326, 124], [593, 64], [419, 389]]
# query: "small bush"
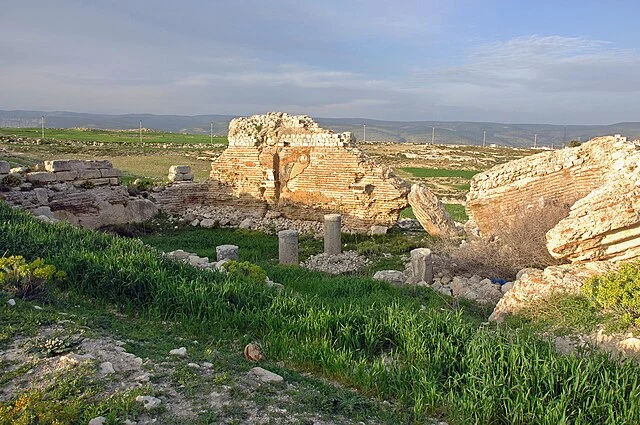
[[618, 292], [11, 181], [518, 245], [245, 271], [87, 184], [27, 280]]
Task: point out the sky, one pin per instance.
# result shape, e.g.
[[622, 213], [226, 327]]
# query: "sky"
[[557, 62]]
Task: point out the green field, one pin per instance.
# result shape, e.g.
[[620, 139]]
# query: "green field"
[[110, 136], [407, 345], [439, 172], [456, 211]]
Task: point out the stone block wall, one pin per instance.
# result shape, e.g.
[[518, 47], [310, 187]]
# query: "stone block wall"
[[86, 193], [540, 184], [289, 164]]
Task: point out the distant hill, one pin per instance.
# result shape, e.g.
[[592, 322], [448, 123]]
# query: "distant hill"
[[446, 132]]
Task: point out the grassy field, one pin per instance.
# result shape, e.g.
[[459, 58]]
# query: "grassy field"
[[439, 172], [456, 211], [407, 345], [112, 136]]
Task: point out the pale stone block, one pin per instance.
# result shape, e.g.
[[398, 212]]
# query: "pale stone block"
[[89, 174], [422, 265], [5, 168], [332, 234], [227, 252], [110, 172], [180, 169], [65, 176], [41, 177], [288, 247]]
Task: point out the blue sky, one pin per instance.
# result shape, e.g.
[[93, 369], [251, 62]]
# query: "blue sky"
[[562, 62]]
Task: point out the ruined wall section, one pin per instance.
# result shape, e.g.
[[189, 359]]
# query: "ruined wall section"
[[549, 182], [289, 164], [605, 224], [86, 193]]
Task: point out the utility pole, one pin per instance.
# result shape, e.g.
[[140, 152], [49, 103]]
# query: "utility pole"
[[42, 125], [535, 141], [484, 138], [140, 131], [364, 126], [212, 133], [433, 136]]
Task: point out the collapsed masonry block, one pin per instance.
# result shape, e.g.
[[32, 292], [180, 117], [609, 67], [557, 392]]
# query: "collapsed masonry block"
[[227, 252], [430, 212]]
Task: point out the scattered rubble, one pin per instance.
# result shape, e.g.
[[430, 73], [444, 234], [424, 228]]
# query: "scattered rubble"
[[345, 262]]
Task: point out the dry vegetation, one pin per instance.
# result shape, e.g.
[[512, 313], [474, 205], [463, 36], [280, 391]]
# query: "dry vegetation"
[[513, 249]]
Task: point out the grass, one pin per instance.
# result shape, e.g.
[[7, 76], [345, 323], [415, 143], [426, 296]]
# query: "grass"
[[456, 211], [439, 172], [111, 136], [407, 345]]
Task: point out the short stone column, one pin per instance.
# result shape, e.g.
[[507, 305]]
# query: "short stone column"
[[288, 247], [227, 252], [332, 235], [422, 266]]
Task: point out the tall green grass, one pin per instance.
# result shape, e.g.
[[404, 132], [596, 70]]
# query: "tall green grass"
[[364, 333]]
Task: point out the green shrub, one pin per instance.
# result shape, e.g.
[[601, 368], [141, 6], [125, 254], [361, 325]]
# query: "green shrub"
[[619, 292], [245, 271], [143, 184], [11, 181], [87, 184], [27, 280]]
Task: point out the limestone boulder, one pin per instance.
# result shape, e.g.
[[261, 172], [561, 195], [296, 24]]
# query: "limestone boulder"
[[430, 212], [539, 186], [605, 224], [535, 285]]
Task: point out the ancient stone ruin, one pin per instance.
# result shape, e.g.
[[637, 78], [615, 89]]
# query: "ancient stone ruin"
[[284, 163], [87, 193], [430, 212], [592, 189], [593, 192]]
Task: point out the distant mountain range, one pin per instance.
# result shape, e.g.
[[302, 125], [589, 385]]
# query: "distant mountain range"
[[446, 132]]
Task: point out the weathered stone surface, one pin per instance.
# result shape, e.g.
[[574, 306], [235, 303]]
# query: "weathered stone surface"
[[75, 164], [5, 168], [180, 169], [227, 252], [394, 276], [180, 177], [265, 376], [605, 224], [65, 176], [535, 285], [110, 172], [289, 164], [89, 174], [532, 186], [288, 247], [421, 266], [332, 234], [430, 212], [41, 177]]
